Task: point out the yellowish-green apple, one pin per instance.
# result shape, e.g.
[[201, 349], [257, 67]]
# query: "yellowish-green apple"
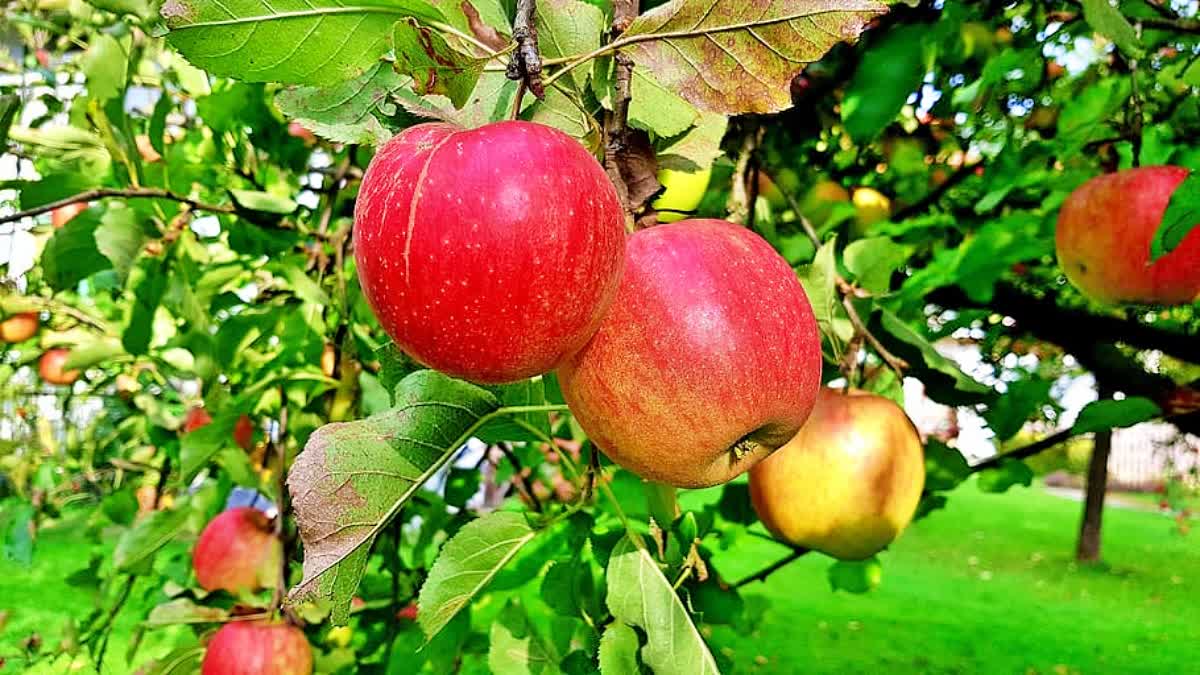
[[848, 483], [682, 193], [870, 206]]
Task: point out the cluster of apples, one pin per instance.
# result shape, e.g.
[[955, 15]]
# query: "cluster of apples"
[[688, 352], [52, 364], [239, 553]]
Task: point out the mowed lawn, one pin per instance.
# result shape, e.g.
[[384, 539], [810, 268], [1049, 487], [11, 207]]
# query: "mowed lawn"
[[987, 585]]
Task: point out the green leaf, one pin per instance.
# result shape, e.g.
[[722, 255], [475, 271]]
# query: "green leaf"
[[467, 563], [263, 202], [568, 28], [735, 505], [1108, 21], [344, 112], [17, 542], [93, 353], [10, 104], [618, 650], [920, 350], [71, 254], [727, 56], [352, 478], [639, 595], [1111, 414], [184, 611], [1010, 472], [654, 108], [819, 281], [1181, 217], [120, 239], [149, 286], [138, 8], [872, 262], [288, 41], [567, 587], [696, 149], [197, 448], [139, 543], [515, 648], [158, 123], [104, 65], [1088, 116], [855, 576], [945, 467], [889, 73], [434, 66], [1007, 414]]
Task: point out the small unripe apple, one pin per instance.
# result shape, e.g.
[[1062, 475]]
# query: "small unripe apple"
[[682, 193], [1103, 239], [64, 214], [146, 148], [297, 130], [491, 253], [871, 206], [237, 552], [19, 327], [50, 367], [820, 201], [848, 483], [708, 360], [258, 648], [195, 418]]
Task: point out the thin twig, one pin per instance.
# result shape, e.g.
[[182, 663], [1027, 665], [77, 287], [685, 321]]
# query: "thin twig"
[[126, 193], [616, 122], [280, 446], [767, 571], [519, 473], [526, 63]]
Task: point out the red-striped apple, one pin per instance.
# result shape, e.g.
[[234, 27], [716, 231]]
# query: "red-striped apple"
[[50, 367], [19, 327], [237, 552], [257, 648], [489, 254], [708, 360]]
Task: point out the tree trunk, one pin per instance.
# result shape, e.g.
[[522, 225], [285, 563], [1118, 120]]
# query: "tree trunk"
[[1088, 549]]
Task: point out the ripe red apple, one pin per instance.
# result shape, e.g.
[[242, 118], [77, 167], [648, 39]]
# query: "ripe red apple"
[[50, 367], [1104, 233], [64, 214], [196, 418], [243, 433], [237, 552], [297, 130], [708, 360], [848, 483], [491, 253], [258, 648], [19, 327]]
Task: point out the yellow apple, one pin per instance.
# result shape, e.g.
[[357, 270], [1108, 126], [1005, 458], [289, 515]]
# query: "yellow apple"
[[848, 483], [683, 191], [871, 206], [821, 200]]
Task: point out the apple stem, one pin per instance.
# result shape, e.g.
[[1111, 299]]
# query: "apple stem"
[[663, 503], [616, 122], [767, 571]]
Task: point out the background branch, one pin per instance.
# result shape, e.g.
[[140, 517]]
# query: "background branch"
[[126, 193]]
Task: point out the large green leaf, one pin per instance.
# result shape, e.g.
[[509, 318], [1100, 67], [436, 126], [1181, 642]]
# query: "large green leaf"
[[467, 563], [568, 28], [618, 650], [732, 56], [144, 539], [1007, 414], [1181, 217], [434, 66], [352, 478], [71, 254], [289, 41], [1112, 24], [514, 646], [639, 595]]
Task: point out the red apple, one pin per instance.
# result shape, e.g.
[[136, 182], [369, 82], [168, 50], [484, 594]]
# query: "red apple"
[[1104, 233], [258, 648], [19, 327], [237, 552], [243, 433], [491, 253], [297, 130], [50, 367], [64, 214], [848, 483], [196, 418], [708, 360]]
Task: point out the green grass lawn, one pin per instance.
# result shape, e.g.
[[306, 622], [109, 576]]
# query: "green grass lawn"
[[987, 585]]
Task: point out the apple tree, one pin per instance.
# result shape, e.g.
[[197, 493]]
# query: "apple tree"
[[384, 333]]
